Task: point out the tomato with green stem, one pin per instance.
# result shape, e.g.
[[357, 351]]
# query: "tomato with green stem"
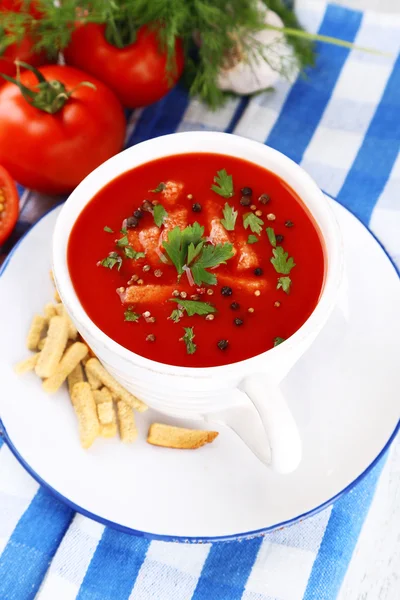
[[57, 124], [9, 205], [130, 62]]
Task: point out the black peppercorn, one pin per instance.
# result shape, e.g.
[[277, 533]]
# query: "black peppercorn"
[[223, 344], [226, 291], [132, 222], [235, 306], [289, 224], [264, 199], [258, 271], [196, 207], [246, 191], [138, 213], [238, 322], [245, 200], [279, 238]]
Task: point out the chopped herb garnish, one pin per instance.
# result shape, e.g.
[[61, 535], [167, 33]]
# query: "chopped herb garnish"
[[179, 241], [159, 214], [108, 229], [123, 241], [129, 315], [255, 223], [284, 283], [230, 216], [124, 230], [252, 239], [131, 253], [111, 260], [161, 186], [271, 236], [194, 307], [281, 262], [194, 251], [211, 256], [224, 184], [188, 339], [176, 315], [278, 340]]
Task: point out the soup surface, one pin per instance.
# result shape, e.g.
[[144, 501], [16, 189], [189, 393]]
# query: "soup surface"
[[197, 260]]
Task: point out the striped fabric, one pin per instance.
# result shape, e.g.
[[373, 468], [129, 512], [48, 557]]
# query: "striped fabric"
[[341, 123]]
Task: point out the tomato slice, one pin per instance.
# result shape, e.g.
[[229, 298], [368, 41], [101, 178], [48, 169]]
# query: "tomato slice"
[[9, 205]]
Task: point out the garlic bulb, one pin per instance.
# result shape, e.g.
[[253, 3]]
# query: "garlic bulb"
[[245, 73]]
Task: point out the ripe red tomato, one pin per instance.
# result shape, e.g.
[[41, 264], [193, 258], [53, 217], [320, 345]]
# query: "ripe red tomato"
[[136, 73], [9, 205], [52, 153], [24, 49]]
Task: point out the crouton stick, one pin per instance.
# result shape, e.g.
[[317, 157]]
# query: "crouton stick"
[[72, 330], [54, 347], [35, 331], [103, 395], [105, 412], [126, 422], [41, 344], [94, 381], [85, 409], [76, 376], [50, 310], [179, 437], [27, 365], [69, 361], [95, 367]]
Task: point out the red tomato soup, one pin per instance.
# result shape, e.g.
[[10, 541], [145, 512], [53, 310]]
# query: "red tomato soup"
[[197, 260]]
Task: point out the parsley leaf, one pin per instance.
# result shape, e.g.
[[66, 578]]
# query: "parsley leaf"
[[176, 315], [252, 239], [131, 253], [211, 256], [159, 214], [284, 283], [230, 216], [224, 185], [193, 307], [255, 223], [179, 241], [129, 315], [188, 339], [123, 241], [108, 229], [161, 186], [194, 251], [281, 262], [111, 260], [271, 236], [278, 340], [124, 230]]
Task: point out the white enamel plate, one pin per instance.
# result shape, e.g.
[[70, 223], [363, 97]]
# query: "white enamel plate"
[[343, 394]]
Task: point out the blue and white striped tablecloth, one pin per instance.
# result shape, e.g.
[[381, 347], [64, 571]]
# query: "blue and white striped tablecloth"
[[342, 124]]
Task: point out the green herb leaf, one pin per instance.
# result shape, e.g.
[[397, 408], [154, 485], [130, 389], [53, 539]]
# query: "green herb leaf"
[[278, 340], [179, 241], [159, 214], [281, 262], [255, 223], [194, 251], [111, 260], [284, 283], [230, 216], [161, 186], [211, 256], [271, 236], [224, 185], [131, 253], [129, 315], [193, 307], [176, 315], [188, 339], [124, 230], [252, 239], [123, 241], [108, 229]]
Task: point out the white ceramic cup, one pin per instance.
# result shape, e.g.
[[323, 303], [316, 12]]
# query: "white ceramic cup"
[[244, 395]]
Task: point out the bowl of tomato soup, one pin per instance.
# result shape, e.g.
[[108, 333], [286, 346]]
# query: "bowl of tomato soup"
[[199, 267]]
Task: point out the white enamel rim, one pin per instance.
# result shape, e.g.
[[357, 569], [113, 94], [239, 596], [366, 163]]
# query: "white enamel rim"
[[207, 142]]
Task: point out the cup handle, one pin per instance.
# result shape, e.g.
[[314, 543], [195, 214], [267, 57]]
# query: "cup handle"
[[279, 427]]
